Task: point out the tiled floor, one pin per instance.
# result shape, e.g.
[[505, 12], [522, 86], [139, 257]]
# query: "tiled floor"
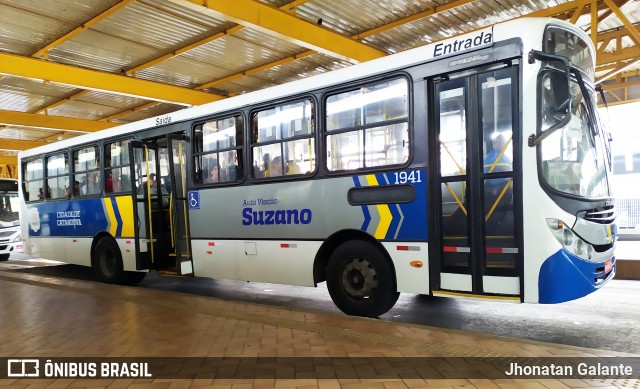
[[46, 317]]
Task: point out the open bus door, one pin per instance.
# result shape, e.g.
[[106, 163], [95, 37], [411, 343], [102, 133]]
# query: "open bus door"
[[162, 237], [180, 236], [476, 240], [143, 164]]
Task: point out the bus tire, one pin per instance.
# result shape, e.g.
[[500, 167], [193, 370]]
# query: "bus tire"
[[107, 261], [4, 257], [360, 279]]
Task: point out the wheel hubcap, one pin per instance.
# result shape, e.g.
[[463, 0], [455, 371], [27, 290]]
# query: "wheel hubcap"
[[359, 278]]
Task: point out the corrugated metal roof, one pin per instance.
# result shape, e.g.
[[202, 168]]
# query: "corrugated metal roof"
[[145, 30]]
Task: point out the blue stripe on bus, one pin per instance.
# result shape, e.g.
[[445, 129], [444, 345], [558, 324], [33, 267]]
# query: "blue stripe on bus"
[[565, 277], [81, 218], [415, 218], [408, 220], [365, 209], [393, 208], [118, 216]]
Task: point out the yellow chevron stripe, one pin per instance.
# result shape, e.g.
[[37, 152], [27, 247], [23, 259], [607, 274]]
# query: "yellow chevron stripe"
[[113, 223], [125, 206], [383, 210]]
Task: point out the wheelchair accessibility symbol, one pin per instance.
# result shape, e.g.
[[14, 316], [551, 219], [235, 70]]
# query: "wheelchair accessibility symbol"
[[194, 199]]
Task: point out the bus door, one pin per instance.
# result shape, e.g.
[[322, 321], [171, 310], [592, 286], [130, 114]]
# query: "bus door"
[[180, 236], [160, 192], [144, 168], [476, 245]]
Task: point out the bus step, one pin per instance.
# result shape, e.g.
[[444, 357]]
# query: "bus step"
[[170, 273]]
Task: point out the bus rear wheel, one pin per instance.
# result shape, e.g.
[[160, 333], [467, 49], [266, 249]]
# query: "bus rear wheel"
[[107, 261], [361, 280]]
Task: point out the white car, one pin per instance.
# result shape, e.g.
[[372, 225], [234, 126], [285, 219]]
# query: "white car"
[[10, 239]]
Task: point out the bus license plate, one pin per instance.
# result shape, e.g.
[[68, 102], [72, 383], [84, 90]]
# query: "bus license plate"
[[608, 265]]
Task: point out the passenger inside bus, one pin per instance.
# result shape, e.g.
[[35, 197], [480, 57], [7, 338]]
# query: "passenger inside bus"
[[153, 184], [292, 168], [266, 165], [42, 196], [498, 158], [76, 190], [108, 183], [276, 167], [214, 173]]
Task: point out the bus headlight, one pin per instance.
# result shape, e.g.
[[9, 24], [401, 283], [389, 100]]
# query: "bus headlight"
[[17, 238], [580, 247], [569, 240]]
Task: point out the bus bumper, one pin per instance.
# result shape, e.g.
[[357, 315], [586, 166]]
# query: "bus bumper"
[[565, 277], [11, 247]]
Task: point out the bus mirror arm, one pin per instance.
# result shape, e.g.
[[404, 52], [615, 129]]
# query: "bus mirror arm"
[[535, 140], [565, 107]]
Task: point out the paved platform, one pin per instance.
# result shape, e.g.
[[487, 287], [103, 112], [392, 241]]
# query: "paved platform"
[[49, 317]]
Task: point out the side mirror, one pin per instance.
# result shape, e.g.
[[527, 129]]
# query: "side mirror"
[[556, 95], [560, 93]]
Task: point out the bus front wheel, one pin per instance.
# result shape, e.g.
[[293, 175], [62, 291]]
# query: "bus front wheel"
[[361, 280], [4, 257]]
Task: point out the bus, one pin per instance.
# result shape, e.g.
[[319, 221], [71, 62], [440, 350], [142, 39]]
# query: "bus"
[[472, 167], [10, 233]]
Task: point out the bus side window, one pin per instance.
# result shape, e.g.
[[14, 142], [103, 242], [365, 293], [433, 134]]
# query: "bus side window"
[[218, 145], [116, 156]]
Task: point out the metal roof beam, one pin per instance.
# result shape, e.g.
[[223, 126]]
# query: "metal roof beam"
[[412, 18], [633, 32], [285, 26], [18, 145], [362, 35], [7, 160], [616, 33], [619, 55], [16, 65], [51, 122], [562, 9], [43, 51]]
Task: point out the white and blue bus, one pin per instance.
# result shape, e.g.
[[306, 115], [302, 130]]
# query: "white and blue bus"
[[10, 233], [471, 167]]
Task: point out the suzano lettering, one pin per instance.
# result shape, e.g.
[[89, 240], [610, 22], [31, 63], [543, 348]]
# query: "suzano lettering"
[[280, 216], [484, 38]]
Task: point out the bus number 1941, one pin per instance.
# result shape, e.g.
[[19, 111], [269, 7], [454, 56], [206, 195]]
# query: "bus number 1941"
[[414, 176]]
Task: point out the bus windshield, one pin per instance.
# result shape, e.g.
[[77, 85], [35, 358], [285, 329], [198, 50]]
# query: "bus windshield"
[[573, 159], [8, 209]]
